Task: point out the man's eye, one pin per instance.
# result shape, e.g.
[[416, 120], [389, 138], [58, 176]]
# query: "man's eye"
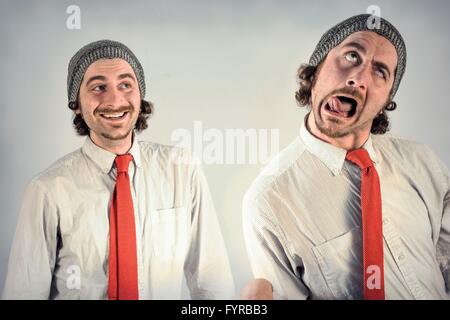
[[99, 88], [353, 57], [125, 85], [380, 73]]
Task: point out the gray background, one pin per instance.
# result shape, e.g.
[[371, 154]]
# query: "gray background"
[[230, 64]]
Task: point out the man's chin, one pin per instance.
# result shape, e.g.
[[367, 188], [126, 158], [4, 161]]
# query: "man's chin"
[[332, 130], [116, 136]]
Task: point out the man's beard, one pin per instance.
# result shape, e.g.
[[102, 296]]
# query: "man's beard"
[[336, 132], [109, 135], [332, 133], [117, 137]]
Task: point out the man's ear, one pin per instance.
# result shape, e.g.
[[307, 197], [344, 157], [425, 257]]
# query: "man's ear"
[[75, 107]]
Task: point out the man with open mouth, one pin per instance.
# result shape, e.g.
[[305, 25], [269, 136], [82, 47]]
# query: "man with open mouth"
[[116, 219], [345, 211]]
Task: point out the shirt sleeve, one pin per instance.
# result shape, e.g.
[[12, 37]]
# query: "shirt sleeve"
[[33, 251], [207, 270], [268, 252], [443, 244]]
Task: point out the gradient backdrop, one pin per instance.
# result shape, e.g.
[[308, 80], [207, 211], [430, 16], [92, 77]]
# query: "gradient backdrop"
[[229, 64]]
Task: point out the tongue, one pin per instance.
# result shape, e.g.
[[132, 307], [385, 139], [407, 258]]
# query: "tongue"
[[340, 106]]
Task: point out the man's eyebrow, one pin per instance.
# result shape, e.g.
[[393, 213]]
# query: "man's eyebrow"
[[102, 78], [356, 45], [126, 75]]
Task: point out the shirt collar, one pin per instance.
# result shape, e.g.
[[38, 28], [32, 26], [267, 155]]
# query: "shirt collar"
[[104, 159], [333, 157]]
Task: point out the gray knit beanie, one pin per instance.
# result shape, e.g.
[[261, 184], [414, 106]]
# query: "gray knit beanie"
[[341, 31], [103, 49]]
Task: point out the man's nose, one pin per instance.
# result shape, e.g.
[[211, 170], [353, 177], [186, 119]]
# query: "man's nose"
[[112, 98], [359, 79]]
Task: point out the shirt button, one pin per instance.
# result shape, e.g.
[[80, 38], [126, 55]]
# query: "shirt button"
[[401, 256], [385, 221]]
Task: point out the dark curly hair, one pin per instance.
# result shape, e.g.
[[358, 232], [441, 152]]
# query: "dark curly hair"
[[82, 128], [306, 78]]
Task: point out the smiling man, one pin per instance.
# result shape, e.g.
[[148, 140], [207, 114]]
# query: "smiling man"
[[345, 211], [117, 218]]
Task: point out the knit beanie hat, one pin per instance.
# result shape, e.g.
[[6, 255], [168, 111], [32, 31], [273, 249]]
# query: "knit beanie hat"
[[103, 49], [362, 22]]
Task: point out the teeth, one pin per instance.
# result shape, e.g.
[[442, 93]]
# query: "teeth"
[[114, 115], [331, 104]]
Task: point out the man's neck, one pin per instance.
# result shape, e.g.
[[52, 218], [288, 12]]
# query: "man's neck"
[[118, 147], [351, 141]]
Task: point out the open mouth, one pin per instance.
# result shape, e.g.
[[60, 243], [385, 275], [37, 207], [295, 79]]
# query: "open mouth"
[[114, 116], [342, 106]]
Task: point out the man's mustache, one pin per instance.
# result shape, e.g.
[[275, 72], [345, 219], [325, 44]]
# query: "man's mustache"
[[128, 108], [351, 91]]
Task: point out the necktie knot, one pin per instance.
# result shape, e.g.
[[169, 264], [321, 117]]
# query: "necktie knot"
[[360, 157], [122, 162]]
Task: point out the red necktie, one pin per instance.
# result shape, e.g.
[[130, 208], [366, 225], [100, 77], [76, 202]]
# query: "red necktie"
[[123, 278], [371, 225]]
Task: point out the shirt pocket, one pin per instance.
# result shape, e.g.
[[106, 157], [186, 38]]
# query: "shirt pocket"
[[340, 261], [170, 232], [170, 239]]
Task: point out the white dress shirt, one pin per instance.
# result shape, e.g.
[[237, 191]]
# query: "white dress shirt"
[[302, 221], [61, 244]]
